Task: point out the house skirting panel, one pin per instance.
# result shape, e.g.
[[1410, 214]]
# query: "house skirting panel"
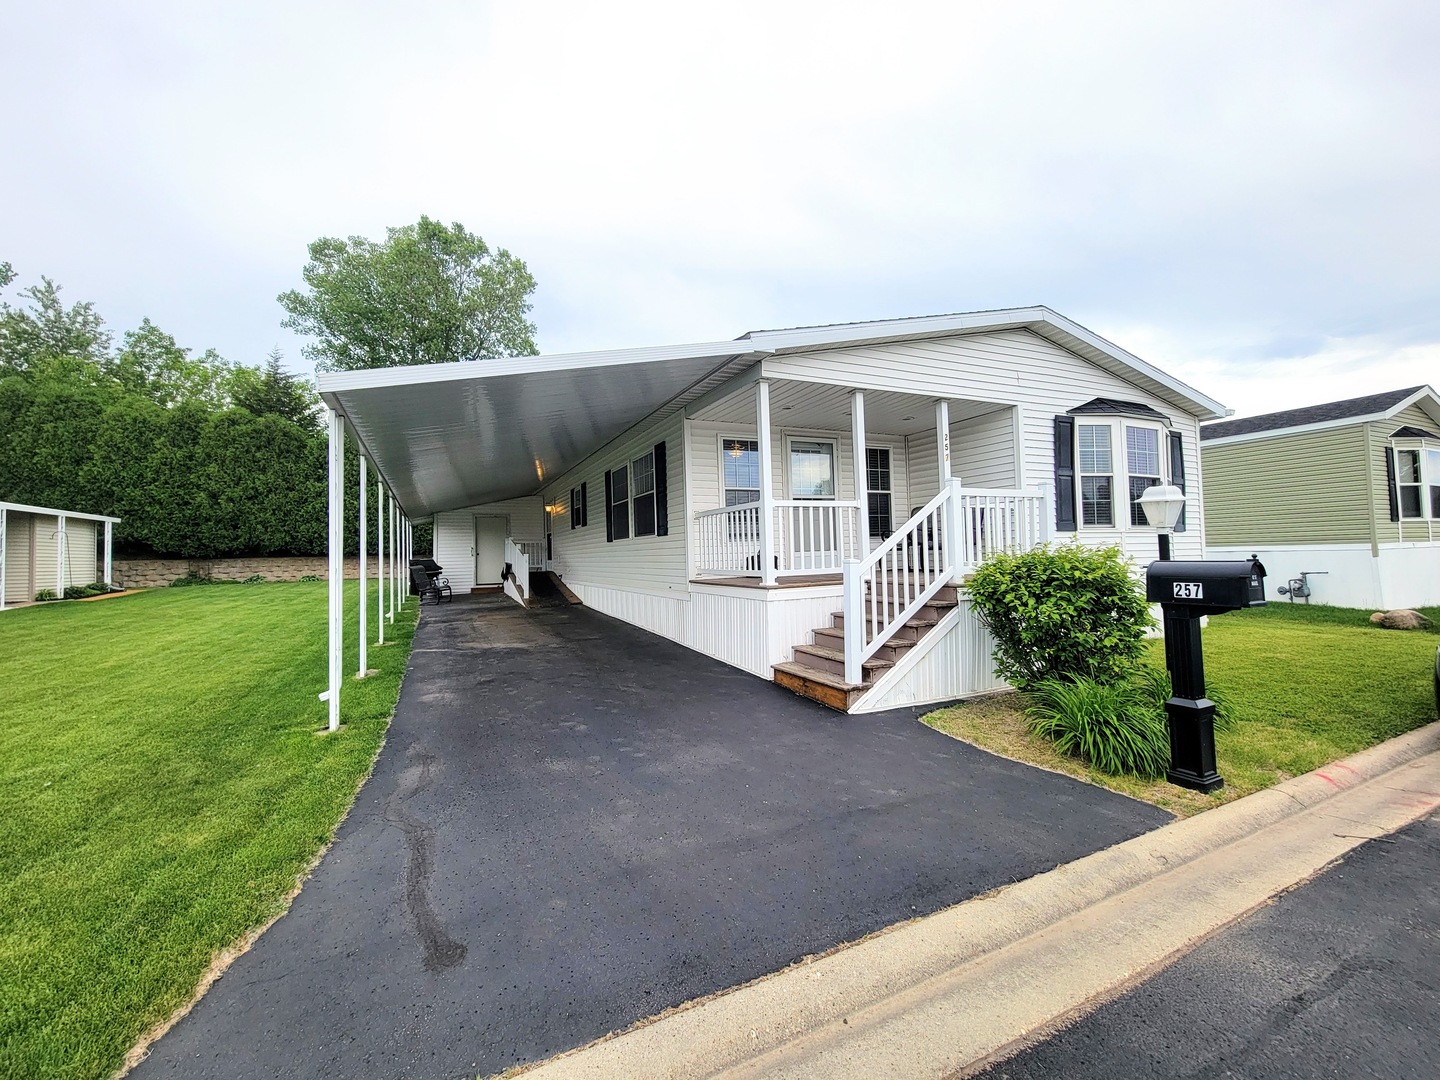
[[955, 660], [751, 629], [1350, 575]]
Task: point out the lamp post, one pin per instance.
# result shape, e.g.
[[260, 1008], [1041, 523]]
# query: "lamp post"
[[1162, 505]]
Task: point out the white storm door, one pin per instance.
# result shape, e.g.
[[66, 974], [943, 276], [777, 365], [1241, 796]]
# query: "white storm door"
[[489, 550]]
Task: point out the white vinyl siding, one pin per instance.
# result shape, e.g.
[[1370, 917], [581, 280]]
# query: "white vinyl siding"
[[643, 563], [81, 548], [455, 535], [1011, 367], [19, 583], [42, 537]]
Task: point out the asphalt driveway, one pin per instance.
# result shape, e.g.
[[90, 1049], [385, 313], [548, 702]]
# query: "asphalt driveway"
[[575, 824]]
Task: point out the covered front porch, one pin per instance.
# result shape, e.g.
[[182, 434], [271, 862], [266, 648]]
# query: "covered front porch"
[[790, 480]]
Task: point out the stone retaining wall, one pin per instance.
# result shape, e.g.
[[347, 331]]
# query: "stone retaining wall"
[[147, 573]]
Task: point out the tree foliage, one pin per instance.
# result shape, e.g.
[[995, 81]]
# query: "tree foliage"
[[199, 457], [428, 294], [1062, 612]]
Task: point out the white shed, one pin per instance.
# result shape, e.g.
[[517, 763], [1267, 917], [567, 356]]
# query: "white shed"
[[43, 548]]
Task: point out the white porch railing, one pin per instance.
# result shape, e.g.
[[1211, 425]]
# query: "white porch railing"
[[534, 550], [950, 533], [809, 537], [815, 537], [517, 583], [727, 540]]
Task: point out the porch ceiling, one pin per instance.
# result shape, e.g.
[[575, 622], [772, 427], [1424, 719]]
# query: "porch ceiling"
[[451, 435], [816, 405]]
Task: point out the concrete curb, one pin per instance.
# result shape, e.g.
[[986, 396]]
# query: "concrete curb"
[[733, 1029]]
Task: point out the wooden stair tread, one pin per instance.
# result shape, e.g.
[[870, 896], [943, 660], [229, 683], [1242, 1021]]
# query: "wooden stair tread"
[[915, 622], [825, 678], [839, 655]]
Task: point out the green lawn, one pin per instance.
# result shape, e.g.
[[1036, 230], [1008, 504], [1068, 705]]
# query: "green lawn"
[[1310, 684], [162, 786]]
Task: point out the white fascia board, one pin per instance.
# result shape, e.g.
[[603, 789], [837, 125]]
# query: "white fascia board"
[[333, 382], [1298, 429], [1419, 396], [1057, 328], [52, 512]]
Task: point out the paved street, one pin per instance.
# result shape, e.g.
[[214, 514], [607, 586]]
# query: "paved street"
[[1337, 978]]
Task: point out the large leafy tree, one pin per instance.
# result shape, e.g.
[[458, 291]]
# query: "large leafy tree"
[[46, 331], [152, 364], [430, 293]]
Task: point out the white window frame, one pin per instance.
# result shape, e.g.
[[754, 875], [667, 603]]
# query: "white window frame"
[[1427, 480], [1121, 511], [720, 449], [636, 494], [834, 444]]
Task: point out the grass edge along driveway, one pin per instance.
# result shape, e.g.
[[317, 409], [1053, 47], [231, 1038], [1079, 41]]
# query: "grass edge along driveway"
[[1310, 684], [164, 786]]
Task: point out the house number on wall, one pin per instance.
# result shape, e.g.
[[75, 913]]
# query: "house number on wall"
[[1188, 590]]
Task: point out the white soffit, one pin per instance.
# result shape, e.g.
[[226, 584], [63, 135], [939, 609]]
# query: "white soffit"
[[445, 436]]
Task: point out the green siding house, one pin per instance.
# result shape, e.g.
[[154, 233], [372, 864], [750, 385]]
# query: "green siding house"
[[1343, 498]]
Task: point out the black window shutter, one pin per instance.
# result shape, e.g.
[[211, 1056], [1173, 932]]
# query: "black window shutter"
[[1390, 483], [662, 501], [574, 510], [1065, 474], [1177, 472], [584, 505], [609, 524]]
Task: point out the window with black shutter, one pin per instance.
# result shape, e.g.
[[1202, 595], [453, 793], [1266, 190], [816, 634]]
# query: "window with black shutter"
[[878, 491], [617, 487], [642, 478]]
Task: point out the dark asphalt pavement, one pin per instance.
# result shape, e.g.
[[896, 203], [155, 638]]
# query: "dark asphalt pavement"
[[1337, 978], [575, 824]]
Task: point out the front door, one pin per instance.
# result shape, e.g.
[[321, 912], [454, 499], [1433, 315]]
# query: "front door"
[[489, 550]]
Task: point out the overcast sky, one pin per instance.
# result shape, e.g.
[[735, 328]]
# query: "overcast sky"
[[1247, 195]]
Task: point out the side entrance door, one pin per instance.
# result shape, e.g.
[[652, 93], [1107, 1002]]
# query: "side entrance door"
[[489, 550]]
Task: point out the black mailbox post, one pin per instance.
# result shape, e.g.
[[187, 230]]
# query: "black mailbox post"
[[1186, 592]]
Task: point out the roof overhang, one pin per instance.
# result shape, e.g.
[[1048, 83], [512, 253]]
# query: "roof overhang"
[[1425, 397], [445, 436], [48, 511], [1039, 320]]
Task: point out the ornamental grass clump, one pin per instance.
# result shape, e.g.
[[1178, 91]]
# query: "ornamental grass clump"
[[1058, 612], [1115, 727]]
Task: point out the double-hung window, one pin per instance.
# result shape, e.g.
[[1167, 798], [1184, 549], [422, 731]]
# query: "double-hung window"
[[619, 508], [1097, 475], [642, 481], [1417, 482], [878, 491], [1142, 462], [740, 471]]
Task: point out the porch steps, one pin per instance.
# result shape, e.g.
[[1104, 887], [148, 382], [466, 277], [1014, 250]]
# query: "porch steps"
[[818, 670]]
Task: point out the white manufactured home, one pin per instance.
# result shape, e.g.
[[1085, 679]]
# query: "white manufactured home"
[[43, 549], [803, 504]]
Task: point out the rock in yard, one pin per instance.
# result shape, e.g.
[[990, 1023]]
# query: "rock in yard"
[[1402, 619]]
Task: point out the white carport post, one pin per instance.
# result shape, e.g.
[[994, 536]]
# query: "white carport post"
[[362, 576], [767, 492], [380, 558], [336, 583], [109, 553], [61, 550], [395, 549], [862, 475]]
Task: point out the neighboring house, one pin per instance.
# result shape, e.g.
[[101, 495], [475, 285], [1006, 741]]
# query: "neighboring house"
[[41, 548], [1346, 493], [799, 503]]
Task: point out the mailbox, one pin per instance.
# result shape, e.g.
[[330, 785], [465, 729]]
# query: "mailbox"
[[1209, 586]]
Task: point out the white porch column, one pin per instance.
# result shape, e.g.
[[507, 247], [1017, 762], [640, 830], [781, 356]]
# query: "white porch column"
[[380, 558], [61, 546], [4, 514], [109, 578], [862, 481], [767, 483], [336, 583], [362, 577], [942, 438], [394, 566]]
